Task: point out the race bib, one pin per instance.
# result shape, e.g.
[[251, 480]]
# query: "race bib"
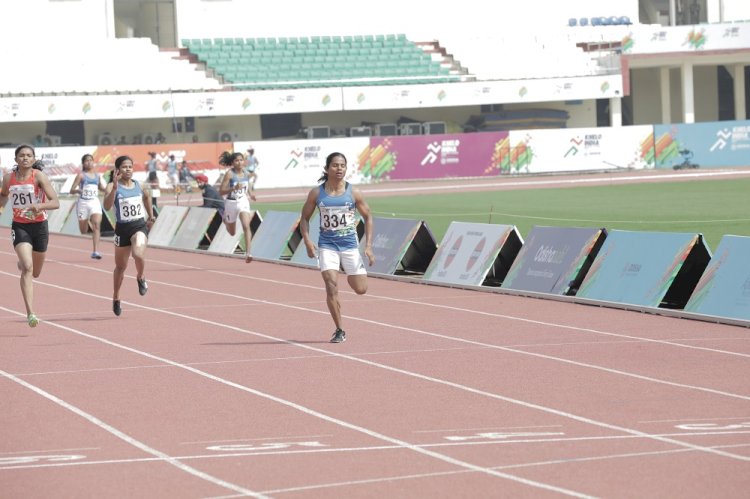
[[22, 196], [239, 190], [337, 218], [90, 191], [131, 209]]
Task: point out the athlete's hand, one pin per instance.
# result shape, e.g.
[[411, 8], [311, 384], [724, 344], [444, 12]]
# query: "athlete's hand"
[[370, 255], [310, 250]]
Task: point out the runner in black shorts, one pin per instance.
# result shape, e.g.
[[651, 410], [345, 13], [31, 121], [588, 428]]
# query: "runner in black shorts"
[[31, 195]]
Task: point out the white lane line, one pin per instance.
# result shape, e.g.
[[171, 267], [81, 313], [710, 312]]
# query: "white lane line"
[[460, 340], [268, 396], [388, 368], [372, 448], [442, 336], [127, 438]]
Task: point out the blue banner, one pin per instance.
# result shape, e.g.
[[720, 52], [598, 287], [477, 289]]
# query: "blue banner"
[[702, 145], [724, 288], [637, 268]]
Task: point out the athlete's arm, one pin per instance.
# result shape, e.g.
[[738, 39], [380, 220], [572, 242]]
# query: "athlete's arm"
[[52, 203], [364, 210], [304, 223], [76, 187], [4, 191], [111, 191]]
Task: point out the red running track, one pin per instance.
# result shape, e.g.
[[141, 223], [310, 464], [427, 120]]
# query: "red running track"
[[220, 382]]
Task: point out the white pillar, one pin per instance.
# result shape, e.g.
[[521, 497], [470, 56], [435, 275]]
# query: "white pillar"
[[688, 104], [615, 111], [672, 13], [738, 73], [666, 103]]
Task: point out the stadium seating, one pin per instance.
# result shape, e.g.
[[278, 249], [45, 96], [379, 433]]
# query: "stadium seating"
[[297, 62], [118, 65]]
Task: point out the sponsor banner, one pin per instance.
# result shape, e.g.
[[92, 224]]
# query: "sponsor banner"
[[193, 228], [724, 288], [467, 252], [654, 39], [299, 163], [637, 268], [273, 237], [167, 224], [391, 239], [579, 149], [481, 92], [702, 145], [552, 259], [432, 156]]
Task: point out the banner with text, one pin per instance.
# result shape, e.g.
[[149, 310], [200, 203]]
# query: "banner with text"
[[703, 145], [554, 259], [724, 288], [432, 156], [637, 268], [579, 149], [467, 253]]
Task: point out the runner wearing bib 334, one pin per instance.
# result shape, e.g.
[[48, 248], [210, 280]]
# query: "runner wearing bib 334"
[[338, 247], [235, 185], [135, 216], [88, 183], [31, 195]]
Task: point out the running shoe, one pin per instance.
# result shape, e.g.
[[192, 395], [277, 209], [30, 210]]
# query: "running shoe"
[[33, 321], [142, 286], [116, 307], [339, 336], [96, 255]]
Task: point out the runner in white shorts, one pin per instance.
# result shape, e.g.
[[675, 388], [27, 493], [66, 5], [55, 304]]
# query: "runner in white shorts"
[[88, 184], [235, 185], [338, 248]]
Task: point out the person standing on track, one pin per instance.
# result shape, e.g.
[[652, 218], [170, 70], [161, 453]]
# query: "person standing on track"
[[338, 247], [235, 185], [88, 183], [31, 196], [134, 218]]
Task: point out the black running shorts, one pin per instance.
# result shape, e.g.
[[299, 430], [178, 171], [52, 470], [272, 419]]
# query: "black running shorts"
[[34, 233]]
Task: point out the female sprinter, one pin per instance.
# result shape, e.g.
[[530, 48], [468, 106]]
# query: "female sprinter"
[[235, 185], [135, 216], [31, 195], [88, 183], [338, 245]]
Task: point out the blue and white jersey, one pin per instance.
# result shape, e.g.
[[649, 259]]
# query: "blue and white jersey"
[[241, 191], [129, 203], [89, 187], [338, 220]]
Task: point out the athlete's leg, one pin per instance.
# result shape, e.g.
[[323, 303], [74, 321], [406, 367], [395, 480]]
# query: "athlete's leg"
[[358, 283], [26, 267], [245, 221], [96, 228], [330, 278], [122, 255], [139, 242]]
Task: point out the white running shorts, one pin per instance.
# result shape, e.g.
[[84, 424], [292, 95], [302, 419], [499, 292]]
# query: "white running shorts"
[[349, 260], [233, 208], [88, 207]]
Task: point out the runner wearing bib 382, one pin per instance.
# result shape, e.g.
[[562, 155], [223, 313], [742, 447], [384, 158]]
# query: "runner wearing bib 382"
[[135, 216]]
